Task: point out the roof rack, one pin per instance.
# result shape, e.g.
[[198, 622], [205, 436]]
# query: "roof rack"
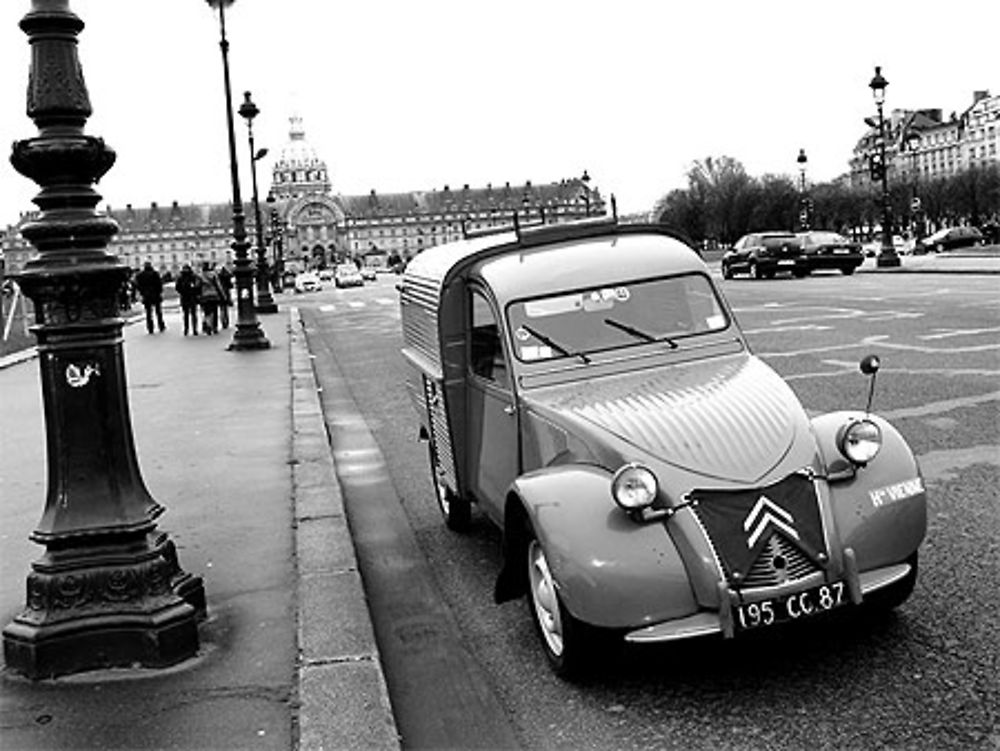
[[539, 231]]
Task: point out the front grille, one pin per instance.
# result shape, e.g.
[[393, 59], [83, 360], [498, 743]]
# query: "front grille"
[[778, 562]]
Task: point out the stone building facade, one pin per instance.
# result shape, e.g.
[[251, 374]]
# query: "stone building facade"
[[307, 226], [922, 145]]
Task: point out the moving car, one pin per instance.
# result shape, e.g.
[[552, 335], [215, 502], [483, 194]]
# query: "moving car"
[[761, 255], [308, 281], [950, 238], [587, 388], [347, 275], [829, 250]]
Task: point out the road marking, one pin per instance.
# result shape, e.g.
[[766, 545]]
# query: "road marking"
[[355, 304], [937, 408], [776, 329], [946, 333], [944, 465], [386, 301], [908, 371], [327, 308]]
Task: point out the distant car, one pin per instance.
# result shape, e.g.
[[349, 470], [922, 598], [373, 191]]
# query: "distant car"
[[950, 238], [308, 281], [325, 275], [368, 273], [347, 275], [830, 250], [761, 255]]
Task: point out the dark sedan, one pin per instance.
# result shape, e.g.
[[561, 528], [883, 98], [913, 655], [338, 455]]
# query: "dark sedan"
[[763, 254], [830, 250], [949, 238]]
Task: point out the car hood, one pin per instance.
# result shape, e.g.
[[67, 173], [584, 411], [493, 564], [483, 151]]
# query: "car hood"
[[730, 418]]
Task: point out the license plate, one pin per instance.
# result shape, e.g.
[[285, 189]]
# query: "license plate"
[[786, 263], [791, 607], [841, 251]]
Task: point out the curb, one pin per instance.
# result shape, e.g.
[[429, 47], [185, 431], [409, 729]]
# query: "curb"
[[343, 698]]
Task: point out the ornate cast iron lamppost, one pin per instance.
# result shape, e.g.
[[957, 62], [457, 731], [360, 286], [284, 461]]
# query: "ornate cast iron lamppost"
[[888, 255], [585, 179], [265, 303], [277, 237], [248, 334], [108, 591], [803, 197]]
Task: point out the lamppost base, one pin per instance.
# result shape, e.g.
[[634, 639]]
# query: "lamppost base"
[[116, 605], [248, 337]]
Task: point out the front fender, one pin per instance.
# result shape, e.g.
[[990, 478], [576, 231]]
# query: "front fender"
[[610, 571], [880, 510]]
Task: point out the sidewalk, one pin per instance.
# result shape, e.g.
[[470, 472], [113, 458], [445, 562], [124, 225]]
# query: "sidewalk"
[[983, 260], [233, 444]]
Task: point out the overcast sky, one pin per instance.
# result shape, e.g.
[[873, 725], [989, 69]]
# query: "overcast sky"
[[404, 95]]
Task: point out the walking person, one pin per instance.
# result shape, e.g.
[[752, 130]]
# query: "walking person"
[[188, 286], [226, 282], [150, 287], [211, 298]]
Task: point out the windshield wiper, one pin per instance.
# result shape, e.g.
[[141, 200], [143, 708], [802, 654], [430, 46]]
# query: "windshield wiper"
[[555, 345], [639, 333]]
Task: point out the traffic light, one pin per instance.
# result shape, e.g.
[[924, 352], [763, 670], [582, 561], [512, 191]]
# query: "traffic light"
[[875, 167]]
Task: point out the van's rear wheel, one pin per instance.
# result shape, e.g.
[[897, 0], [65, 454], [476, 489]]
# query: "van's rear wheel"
[[457, 511]]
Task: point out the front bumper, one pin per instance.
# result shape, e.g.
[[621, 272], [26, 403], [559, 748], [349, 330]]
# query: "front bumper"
[[707, 623]]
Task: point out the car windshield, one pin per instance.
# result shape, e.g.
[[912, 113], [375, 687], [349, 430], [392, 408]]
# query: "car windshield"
[[777, 241], [642, 312]]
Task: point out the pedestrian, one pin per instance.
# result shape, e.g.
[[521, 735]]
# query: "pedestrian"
[[150, 287], [188, 286], [211, 297], [226, 282]]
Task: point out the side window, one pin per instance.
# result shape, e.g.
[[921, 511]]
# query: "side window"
[[486, 356]]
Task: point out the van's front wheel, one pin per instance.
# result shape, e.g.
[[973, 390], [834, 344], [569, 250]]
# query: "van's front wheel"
[[457, 511]]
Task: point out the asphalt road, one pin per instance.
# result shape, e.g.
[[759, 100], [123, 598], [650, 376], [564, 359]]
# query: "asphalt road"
[[925, 677]]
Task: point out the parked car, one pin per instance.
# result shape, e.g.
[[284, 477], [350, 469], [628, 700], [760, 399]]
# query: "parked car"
[[347, 275], [951, 238], [368, 273], [587, 387], [325, 275], [763, 254], [830, 250], [307, 281]]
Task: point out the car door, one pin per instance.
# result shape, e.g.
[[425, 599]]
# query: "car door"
[[494, 451]]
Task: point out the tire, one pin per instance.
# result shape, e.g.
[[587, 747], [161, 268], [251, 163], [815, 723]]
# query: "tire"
[[457, 511], [896, 594], [573, 648], [847, 270]]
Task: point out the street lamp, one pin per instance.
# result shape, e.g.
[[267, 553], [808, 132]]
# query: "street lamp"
[[585, 179], [912, 143], [108, 591], [803, 199], [265, 303], [888, 255], [248, 334]]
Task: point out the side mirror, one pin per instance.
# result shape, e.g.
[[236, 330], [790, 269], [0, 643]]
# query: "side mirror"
[[870, 365]]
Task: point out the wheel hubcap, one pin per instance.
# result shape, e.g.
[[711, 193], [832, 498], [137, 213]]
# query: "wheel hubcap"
[[543, 597]]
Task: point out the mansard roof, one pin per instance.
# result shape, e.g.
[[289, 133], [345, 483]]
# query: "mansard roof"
[[503, 198]]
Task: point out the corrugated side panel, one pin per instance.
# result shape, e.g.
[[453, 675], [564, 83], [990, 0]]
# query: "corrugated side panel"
[[440, 433], [419, 312]]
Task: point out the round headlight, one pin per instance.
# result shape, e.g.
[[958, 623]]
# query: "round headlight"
[[634, 487], [860, 441]]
